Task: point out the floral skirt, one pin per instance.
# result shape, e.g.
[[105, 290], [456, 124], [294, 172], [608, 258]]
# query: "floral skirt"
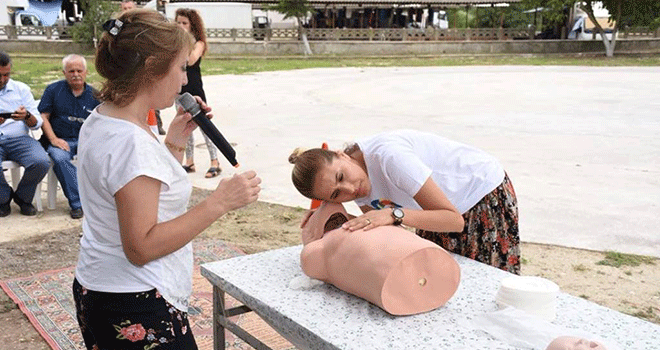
[[130, 321], [490, 234]]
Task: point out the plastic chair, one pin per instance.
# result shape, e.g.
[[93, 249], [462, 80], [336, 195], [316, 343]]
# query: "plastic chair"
[[51, 181], [15, 170]]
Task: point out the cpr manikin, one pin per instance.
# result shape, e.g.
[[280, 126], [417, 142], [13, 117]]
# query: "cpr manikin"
[[574, 343], [389, 266]]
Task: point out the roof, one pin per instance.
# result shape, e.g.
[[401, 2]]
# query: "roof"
[[371, 2]]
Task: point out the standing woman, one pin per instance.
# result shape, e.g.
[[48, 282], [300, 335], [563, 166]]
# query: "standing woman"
[[134, 273], [453, 194], [191, 22]]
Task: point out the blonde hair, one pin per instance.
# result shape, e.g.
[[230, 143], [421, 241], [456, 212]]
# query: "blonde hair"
[[138, 55]]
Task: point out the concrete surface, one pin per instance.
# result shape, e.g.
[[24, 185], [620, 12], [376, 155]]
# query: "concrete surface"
[[580, 144]]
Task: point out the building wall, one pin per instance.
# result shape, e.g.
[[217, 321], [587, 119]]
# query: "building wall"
[[385, 48], [371, 48]]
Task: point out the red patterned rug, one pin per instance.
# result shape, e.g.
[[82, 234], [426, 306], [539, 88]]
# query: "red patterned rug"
[[47, 301]]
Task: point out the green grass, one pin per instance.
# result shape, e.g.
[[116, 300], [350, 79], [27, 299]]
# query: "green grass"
[[648, 314], [39, 71], [580, 268], [221, 65], [619, 259]]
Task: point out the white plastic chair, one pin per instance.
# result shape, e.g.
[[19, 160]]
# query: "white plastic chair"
[[52, 185], [15, 170]]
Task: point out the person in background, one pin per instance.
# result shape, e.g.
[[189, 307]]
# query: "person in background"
[[127, 5], [20, 115], [191, 22], [64, 107], [133, 278], [455, 195]]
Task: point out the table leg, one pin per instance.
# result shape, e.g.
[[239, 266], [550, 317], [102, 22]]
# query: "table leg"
[[221, 322], [218, 313]]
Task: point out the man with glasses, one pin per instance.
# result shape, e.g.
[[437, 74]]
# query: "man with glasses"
[[18, 114], [64, 107]]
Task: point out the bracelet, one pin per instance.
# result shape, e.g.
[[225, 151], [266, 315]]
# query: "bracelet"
[[174, 147]]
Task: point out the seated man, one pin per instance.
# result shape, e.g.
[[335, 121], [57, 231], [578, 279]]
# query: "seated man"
[[127, 5], [64, 107], [19, 116], [389, 266]]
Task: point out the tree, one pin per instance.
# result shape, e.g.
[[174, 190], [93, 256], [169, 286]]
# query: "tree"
[[614, 9], [95, 13], [637, 12], [298, 9], [555, 14]]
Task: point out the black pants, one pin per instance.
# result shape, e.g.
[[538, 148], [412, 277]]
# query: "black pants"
[[127, 321]]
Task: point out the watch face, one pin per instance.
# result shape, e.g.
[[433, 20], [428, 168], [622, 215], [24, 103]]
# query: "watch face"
[[398, 213]]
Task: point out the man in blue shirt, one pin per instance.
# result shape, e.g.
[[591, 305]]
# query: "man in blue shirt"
[[64, 107], [20, 115]]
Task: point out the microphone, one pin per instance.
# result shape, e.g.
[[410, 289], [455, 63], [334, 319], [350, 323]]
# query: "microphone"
[[190, 105]]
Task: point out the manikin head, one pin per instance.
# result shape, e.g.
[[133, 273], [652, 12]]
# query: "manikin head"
[[574, 343], [328, 217]]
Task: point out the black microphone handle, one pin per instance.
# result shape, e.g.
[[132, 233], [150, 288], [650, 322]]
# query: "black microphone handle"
[[216, 137]]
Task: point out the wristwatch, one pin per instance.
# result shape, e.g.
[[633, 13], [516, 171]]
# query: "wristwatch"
[[397, 214]]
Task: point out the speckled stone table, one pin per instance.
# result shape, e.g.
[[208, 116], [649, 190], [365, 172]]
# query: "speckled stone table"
[[325, 317]]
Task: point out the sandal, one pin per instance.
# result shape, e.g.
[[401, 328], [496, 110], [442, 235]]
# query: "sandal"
[[213, 172], [189, 168]]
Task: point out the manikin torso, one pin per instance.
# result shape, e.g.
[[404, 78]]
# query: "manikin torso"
[[388, 265]]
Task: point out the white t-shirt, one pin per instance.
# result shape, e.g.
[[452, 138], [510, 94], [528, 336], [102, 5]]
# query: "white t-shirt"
[[400, 162], [111, 153]]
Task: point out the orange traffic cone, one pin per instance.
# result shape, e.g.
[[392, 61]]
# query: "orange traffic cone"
[[315, 202], [152, 121]]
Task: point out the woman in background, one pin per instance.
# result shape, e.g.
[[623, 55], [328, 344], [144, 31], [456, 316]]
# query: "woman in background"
[[133, 279], [191, 22]]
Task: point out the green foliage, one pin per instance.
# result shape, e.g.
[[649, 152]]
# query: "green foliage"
[[619, 259], [293, 9], [655, 24], [96, 12], [457, 18], [580, 268], [554, 11], [506, 17], [636, 13]]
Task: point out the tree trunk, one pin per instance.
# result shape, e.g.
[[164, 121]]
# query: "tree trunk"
[[303, 34], [609, 44]]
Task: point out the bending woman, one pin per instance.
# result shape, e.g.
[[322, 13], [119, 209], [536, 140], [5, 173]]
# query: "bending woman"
[[134, 273], [191, 22], [453, 194]]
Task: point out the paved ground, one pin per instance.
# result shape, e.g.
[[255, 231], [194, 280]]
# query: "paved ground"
[[580, 144]]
